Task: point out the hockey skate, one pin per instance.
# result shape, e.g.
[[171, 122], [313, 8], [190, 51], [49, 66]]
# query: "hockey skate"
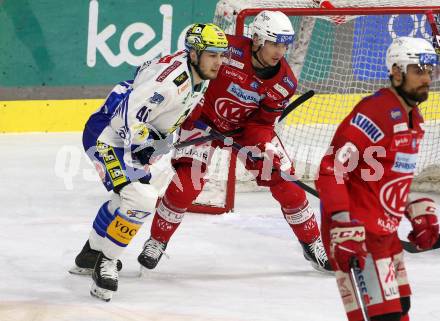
[[151, 253], [315, 253], [105, 278], [85, 261]]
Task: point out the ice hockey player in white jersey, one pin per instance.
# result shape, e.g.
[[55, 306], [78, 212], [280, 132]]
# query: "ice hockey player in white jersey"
[[121, 139]]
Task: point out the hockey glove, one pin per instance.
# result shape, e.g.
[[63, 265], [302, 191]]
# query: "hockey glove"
[[268, 160], [144, 156], [424, 222], [347, 240], [152, 150]]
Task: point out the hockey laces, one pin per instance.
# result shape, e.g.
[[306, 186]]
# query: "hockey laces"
[[109, 268], [319, 252], [154, 249]]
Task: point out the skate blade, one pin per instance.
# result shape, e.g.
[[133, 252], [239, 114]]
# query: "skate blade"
[[320, 269], [76, 270], [145, 272], [100, 293]]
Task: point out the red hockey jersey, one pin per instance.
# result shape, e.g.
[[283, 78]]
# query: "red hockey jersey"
[[374, 188], [239, 99]]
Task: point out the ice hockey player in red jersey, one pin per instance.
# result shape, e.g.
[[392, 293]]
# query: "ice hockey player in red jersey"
[[251, 91], [364, 184], [123, 138]]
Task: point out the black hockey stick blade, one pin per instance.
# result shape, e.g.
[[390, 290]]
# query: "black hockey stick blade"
[[411, 248], [300, 100]]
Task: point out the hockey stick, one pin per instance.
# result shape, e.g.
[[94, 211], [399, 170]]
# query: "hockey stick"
[[435, 32], [203, 139], [211, 136], [292, 106], [411, 248], [407, 246], [248, 153], [354, 272], [162, 147]]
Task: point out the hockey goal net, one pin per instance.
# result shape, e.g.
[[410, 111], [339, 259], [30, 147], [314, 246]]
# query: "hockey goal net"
[[339, 53]]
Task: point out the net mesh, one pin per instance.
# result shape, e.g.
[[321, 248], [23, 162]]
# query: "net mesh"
[[342, 62]]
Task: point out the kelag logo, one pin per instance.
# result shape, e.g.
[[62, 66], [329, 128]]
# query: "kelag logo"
[[373, 34], [98, 39]]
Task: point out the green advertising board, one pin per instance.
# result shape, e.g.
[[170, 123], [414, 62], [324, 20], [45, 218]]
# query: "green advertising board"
[[89, 43]]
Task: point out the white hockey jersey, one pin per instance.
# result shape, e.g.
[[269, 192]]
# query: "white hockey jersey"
[[160, 98]]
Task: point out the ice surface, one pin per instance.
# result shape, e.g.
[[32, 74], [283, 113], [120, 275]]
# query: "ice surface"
[[234, 267]]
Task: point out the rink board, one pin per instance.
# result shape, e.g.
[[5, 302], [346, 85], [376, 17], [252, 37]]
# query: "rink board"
[[71, 115]]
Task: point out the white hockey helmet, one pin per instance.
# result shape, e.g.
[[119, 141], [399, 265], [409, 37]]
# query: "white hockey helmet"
[[274, 26], [405, 51]]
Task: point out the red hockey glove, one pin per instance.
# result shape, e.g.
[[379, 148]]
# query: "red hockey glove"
[[269, 162], [347, 240], [424, 222]]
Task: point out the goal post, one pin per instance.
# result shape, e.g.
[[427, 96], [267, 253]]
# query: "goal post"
[[339, 53]]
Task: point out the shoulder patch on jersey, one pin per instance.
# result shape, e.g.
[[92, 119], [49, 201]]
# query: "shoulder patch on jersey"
[[400, 140], [273, 95], [289, 82], [168, 71], [179, 80], [400, 127], [156, 99], [396, 114], [234, 74], [181, 89], [283, 91], [235, 63], [236, 51], [368, 127]]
